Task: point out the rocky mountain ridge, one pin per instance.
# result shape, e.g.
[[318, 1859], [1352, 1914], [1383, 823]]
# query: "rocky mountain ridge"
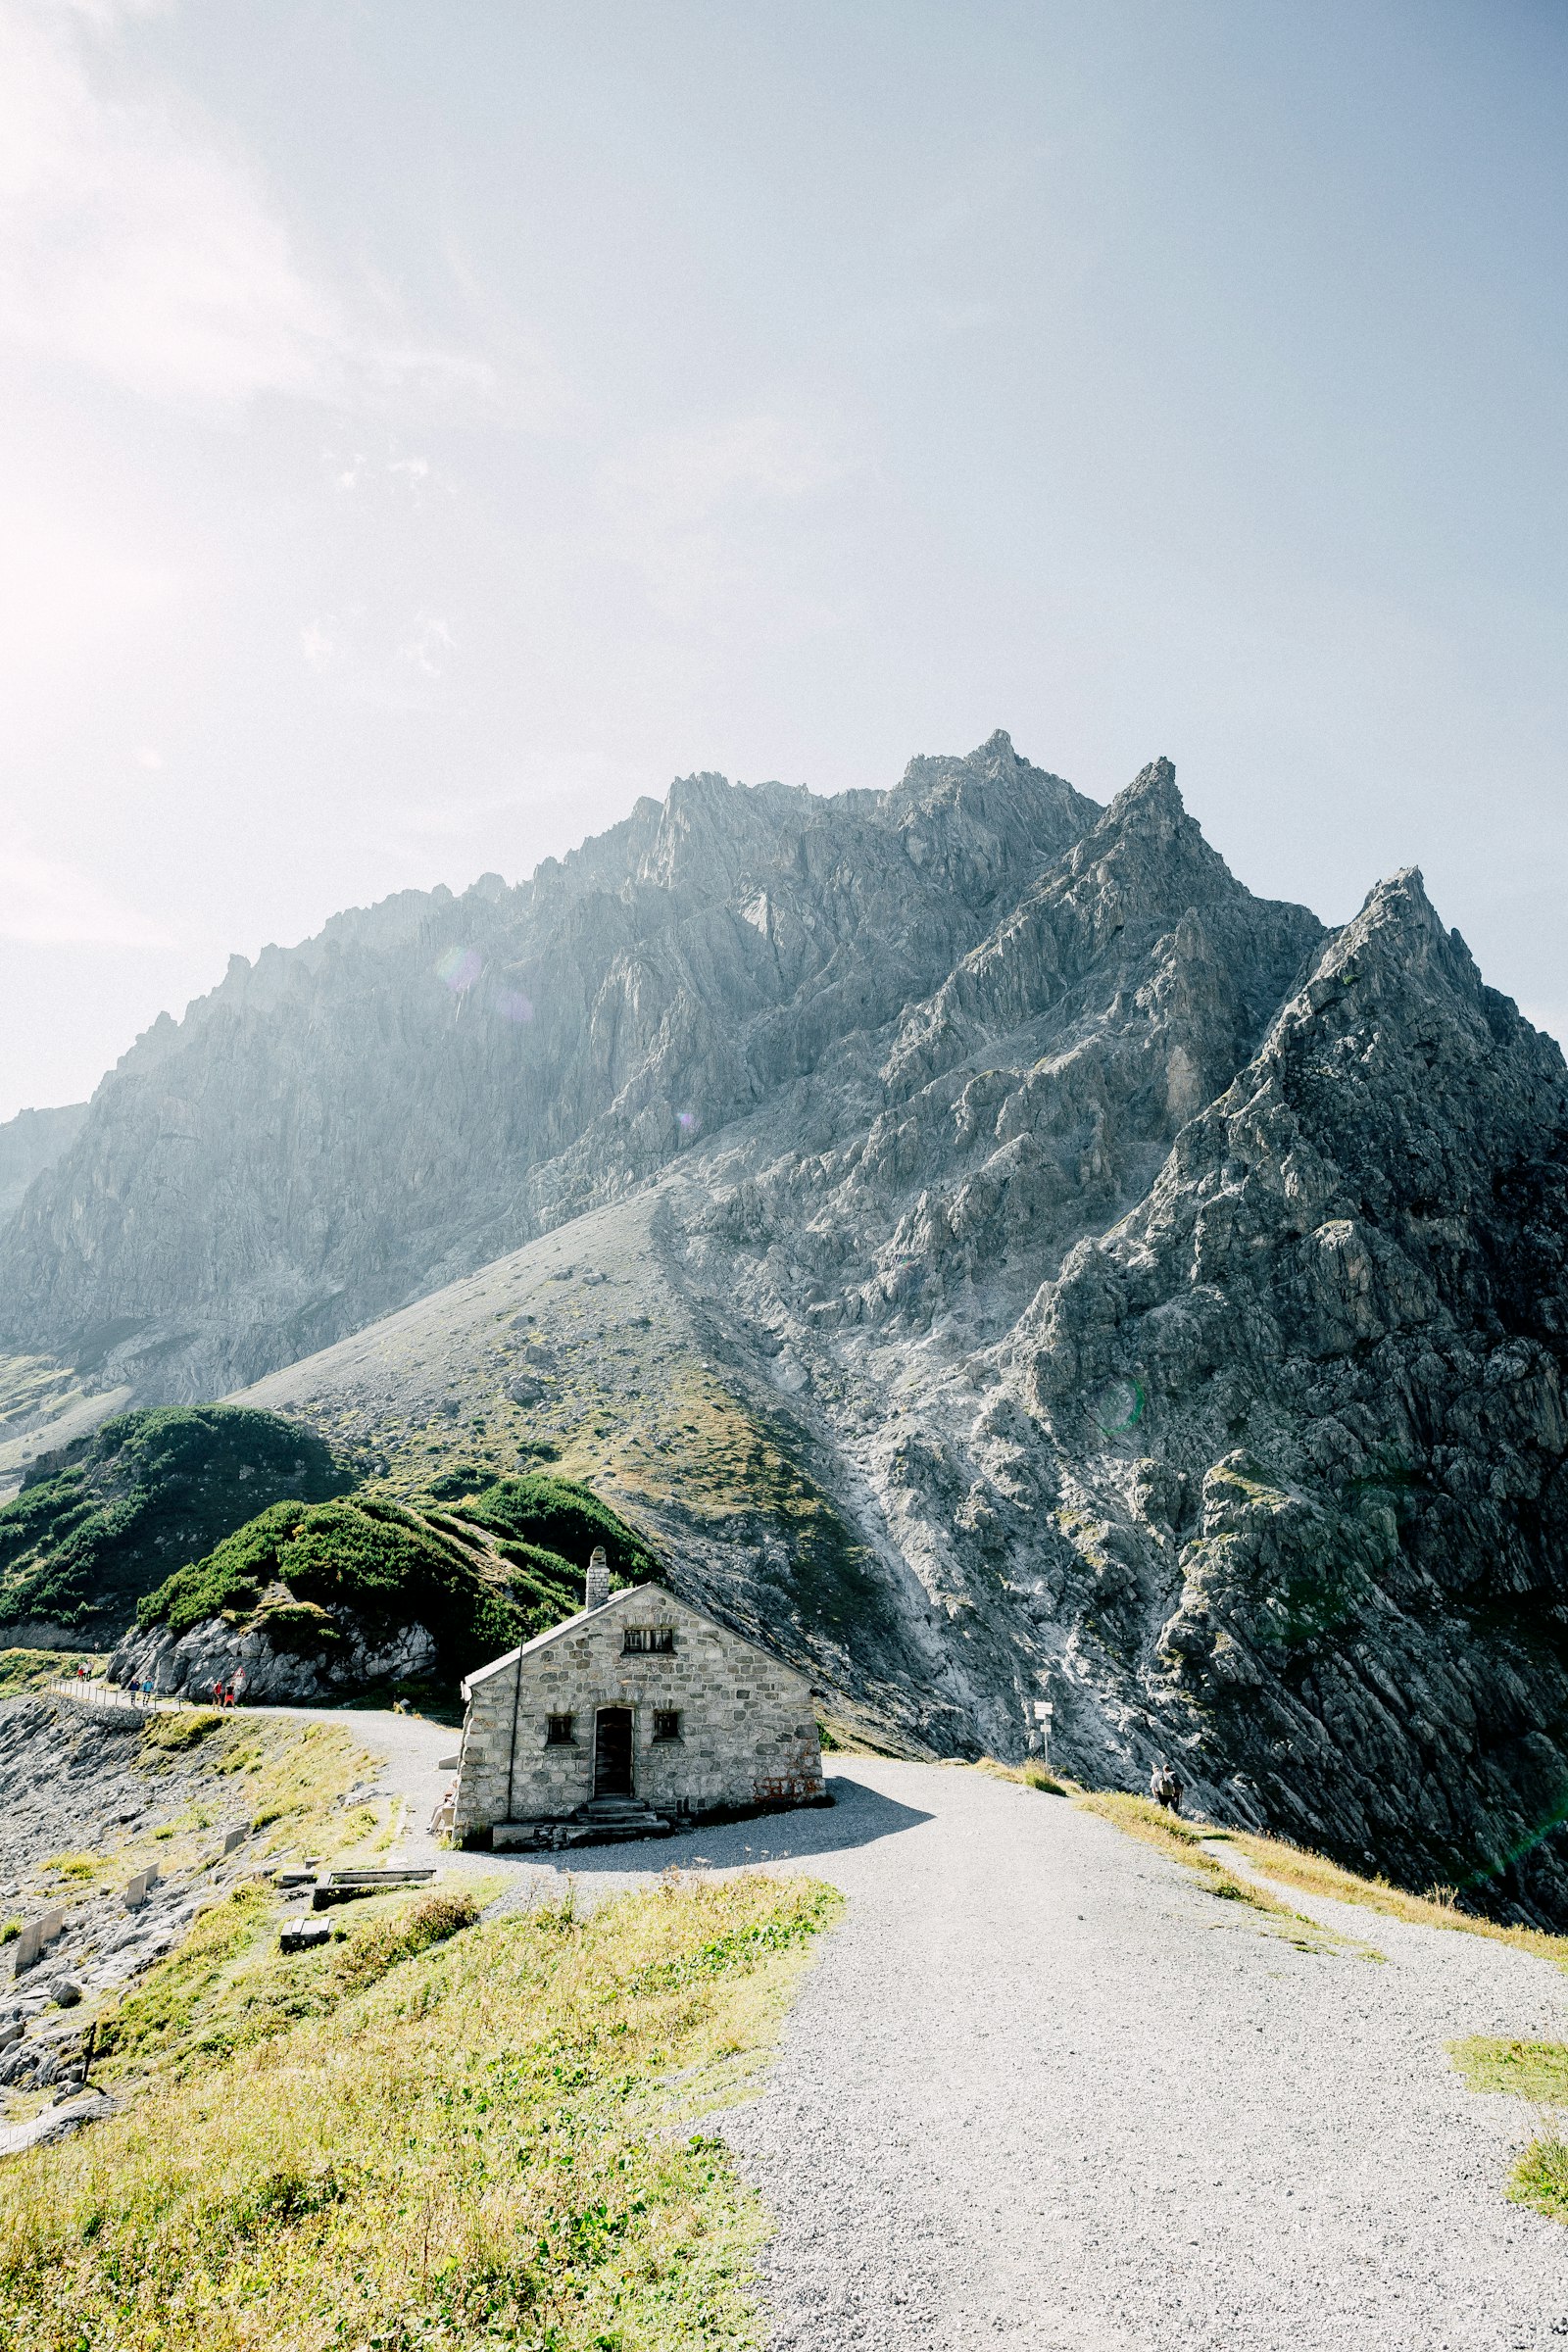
[[351, 1122], [1052, 1294]]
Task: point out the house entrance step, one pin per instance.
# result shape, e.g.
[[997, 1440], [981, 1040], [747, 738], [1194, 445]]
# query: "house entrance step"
[[606, 1821]]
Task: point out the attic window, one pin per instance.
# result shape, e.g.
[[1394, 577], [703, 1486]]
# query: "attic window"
[[560, 1731], [667, 1723], [649, 1637]]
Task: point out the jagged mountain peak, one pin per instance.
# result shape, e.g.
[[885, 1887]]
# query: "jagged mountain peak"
[[1170, 1295]]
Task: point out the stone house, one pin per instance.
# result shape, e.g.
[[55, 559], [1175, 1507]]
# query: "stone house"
[[637, 1714]]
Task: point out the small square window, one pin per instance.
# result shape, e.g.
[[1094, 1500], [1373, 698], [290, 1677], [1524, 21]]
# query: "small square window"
[[645, 1638], [560, 1733], [667, 1723]]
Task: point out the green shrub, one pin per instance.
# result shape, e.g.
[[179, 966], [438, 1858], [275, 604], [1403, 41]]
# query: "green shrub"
[[292, 1570], [382, 1945], [83, 1544], [563, 1518], [506, 1565]]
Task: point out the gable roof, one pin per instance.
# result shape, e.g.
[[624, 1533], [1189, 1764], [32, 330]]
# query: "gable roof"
[[652, 1593]]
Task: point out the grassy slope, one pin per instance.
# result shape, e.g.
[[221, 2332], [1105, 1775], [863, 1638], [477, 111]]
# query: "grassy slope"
[[200, 1774], [495, 2141], [480, 1572], [144, 1493]]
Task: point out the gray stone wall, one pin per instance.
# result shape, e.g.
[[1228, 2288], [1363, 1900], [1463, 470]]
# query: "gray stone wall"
[[747, 1731]]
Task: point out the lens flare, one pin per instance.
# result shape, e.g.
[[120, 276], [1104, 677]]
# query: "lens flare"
[[513, 1006], [688, 1121], [459, 968], [1120, 1407]]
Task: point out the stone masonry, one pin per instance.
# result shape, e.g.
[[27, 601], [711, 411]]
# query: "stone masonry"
[[716, 1725]]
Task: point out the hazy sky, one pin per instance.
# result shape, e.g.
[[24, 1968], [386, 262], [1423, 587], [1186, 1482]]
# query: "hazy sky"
[[429, 426]]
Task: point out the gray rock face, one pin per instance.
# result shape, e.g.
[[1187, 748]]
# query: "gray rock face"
[[425, 1085], [1169, 1297], [215, 1653], [31, 1142]]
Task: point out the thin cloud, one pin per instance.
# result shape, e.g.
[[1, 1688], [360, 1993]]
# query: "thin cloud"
[[138, 243], [49, 903], [691, 510], [431, 642]]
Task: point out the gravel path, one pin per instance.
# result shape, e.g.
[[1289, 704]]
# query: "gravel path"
[[1042, 2090]]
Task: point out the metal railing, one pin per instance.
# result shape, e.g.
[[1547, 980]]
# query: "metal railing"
[[123, 1699]]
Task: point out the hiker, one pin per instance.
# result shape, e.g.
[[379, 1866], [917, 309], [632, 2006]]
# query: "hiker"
[[1166, 1789]]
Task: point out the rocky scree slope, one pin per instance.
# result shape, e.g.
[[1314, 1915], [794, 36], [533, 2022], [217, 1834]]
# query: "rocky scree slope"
[[1164, 1296]]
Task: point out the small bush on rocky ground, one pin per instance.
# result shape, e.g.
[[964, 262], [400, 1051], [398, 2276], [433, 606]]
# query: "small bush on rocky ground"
[[496, 2142], [1541, 2178], [1527, 2070]]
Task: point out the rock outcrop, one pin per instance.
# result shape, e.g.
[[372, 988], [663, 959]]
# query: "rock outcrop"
[[1051, 1293], [218, 1654], [31, 1142]]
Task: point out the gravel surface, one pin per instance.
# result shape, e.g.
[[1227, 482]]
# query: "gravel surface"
[[1042, 2090]]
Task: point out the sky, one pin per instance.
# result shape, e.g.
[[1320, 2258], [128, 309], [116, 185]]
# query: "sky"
[[428, 429]]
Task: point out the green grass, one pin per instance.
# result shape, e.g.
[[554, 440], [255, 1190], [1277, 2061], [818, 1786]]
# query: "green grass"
[[1529, 2069], [1541, 2176], [499, 2139], [33, 1669], [1526, 2070], [229, 1986]]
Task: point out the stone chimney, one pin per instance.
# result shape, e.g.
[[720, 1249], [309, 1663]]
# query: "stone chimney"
[[597, 1591]]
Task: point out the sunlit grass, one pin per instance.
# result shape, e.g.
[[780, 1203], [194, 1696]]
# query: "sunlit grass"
[[1526, 2070], [1314, 1873], [498, 2141], [1182, 1841]]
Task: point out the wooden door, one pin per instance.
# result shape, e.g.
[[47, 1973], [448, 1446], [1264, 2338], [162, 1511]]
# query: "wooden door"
[[612, 1753]]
